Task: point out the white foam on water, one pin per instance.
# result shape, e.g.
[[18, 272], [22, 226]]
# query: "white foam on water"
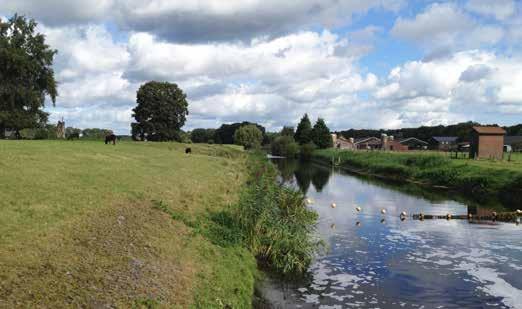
[[493, 284]]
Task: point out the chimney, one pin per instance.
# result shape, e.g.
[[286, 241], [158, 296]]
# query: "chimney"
[[352, 140]]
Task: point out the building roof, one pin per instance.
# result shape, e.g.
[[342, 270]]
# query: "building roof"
[[413, 139], [510, 140], [489, 130], [367, 139], [441, 139]]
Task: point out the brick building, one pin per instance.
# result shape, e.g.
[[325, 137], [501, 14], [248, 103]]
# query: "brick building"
[[487, 143]]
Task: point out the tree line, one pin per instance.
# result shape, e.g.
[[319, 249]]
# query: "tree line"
[[288, 142], [304, 140], [460, 130], [49, 131]]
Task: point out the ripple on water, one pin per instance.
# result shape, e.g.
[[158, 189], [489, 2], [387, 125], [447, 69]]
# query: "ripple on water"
[[407, 264]]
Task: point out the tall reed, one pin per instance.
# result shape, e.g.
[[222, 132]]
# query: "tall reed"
[[277, 225]]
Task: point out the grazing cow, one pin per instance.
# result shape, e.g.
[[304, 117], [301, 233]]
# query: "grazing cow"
[[188, 150], [73, 136], [110, 138]]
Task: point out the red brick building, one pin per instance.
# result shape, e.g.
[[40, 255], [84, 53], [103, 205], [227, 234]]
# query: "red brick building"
[[487, 143]]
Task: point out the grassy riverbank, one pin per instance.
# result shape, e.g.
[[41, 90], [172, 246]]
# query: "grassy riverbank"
[[89, 225], [85, 224], [486, 180]]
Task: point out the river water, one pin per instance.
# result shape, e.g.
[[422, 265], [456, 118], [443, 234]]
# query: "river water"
[[379, 261]]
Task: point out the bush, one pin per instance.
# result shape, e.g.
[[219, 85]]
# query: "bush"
[[41, 134], [285, 146], [307, 150], [248, 136]]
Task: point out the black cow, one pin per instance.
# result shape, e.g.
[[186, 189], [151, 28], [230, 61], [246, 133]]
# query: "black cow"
[[188, 150], [110, 138]]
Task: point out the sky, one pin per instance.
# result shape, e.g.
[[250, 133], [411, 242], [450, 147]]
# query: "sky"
[[357, 64]]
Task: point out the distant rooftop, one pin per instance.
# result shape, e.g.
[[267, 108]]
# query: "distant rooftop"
[[449, 139], [414, 139], [366, 139], [489, 130]]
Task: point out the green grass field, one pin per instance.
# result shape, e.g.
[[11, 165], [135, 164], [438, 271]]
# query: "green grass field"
[[489, 181], [85, 224]]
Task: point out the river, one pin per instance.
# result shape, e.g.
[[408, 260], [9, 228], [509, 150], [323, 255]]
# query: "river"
[[377, 260]]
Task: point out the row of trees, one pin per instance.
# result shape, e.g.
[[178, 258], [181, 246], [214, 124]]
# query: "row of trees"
[[48, 131], [288, 143], [461, 130], [250, 135], [304, 140]]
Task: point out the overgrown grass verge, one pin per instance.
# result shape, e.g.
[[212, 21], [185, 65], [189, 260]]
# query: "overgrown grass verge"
[[275, 223], [478, 180]]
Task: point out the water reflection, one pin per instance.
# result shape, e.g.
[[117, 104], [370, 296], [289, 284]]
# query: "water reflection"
[[375, 260], [304, 173]]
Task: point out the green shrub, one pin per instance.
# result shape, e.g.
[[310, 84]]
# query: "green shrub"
[[277, 226], [284, 146], [307, 151], [248, 136], [41, 133]]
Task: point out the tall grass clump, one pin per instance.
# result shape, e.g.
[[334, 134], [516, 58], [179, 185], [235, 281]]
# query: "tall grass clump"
[[277, 225]]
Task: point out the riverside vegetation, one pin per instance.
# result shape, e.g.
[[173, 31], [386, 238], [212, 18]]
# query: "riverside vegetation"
[[482, 180], [143, 225]]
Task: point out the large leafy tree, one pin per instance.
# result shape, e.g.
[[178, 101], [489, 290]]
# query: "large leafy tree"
[[26, 75], [321, 135], [161, 112], [303, 133], [248, 136]]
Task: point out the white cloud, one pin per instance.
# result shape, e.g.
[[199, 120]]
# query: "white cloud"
[[260, 81], [201, 20], [89, 66], [211, 20], [438, 21], [443, 28], [295, 69], [475, 73], [500, 9], [59, 12], [454, 88], [271, 61]]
